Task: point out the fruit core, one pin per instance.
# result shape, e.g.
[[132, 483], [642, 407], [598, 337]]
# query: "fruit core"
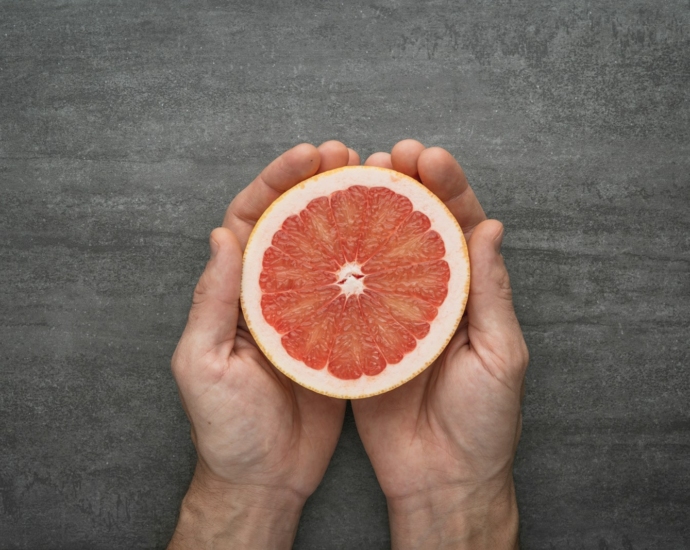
[[350, 279], [353, 281]]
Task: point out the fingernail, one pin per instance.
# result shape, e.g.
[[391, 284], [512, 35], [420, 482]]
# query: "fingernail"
[[214, 247], [499, 239]]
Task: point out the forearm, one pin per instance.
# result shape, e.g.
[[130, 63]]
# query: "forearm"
[[456, 519], [213, 516]]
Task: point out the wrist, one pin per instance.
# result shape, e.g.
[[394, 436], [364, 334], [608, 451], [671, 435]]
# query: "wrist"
[[217, 514], [481, 517]]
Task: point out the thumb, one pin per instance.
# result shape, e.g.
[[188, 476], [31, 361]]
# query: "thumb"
[[215, 305], [493, 328]]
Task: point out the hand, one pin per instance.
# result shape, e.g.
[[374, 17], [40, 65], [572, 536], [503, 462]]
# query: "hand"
[[263, 442], [443, 444]]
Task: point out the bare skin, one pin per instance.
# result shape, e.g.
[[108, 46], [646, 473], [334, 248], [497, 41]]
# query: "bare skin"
[[263, 442], [442, 445]]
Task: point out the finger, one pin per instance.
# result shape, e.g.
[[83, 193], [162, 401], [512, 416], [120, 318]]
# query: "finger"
[[290, 168], [353, 159], [493, 328], [404, 157], [382, 160], [442, 174], [215, 305], [333, 155]]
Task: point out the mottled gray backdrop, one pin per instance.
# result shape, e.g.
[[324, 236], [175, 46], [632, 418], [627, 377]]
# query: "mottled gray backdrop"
[[125, 129]]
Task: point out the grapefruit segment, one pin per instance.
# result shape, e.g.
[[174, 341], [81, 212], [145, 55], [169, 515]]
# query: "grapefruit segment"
[[386, 211], [412, 243], [412, 313], [392, 338], [282, 272], [312, 344], [296, 240], [354, 281], [319, 224], [350, 211], [291, 310], [427, 281], [354, 351]]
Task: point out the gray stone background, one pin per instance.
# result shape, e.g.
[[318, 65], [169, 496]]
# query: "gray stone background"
[[125, 129]]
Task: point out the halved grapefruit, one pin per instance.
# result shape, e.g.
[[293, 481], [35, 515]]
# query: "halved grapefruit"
[[354, 281]]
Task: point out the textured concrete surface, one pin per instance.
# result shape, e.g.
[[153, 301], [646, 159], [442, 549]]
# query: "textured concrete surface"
[[125, 129]]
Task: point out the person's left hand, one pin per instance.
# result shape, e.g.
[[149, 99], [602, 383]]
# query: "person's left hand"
[[442, 445], [263, 442]]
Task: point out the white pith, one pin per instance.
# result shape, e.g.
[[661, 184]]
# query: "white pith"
[[442, 328], [348, 283]]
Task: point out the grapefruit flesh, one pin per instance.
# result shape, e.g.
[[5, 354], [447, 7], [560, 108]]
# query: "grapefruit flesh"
[[354, 281]]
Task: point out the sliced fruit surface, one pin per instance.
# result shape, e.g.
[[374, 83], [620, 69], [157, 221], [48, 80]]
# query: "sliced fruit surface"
[[354, 281]]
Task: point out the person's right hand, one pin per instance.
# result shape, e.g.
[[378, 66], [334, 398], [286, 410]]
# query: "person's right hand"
[[263, 442]]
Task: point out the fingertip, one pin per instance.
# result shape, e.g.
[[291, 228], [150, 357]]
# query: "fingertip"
[[498, 236], [306, 152], [484, 243], [489, 231], [306, 155], [493, 328], [438, 164], [213, 244], [493, 229], [221, 238], [443, 176], [226, 255], [333, 154], [213, 316], [441, 173], [404, 157], [408, 144], [382, 160], [298, 163], [292, 167]]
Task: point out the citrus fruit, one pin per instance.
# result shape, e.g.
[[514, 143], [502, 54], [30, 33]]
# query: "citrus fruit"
[[354, 281]]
